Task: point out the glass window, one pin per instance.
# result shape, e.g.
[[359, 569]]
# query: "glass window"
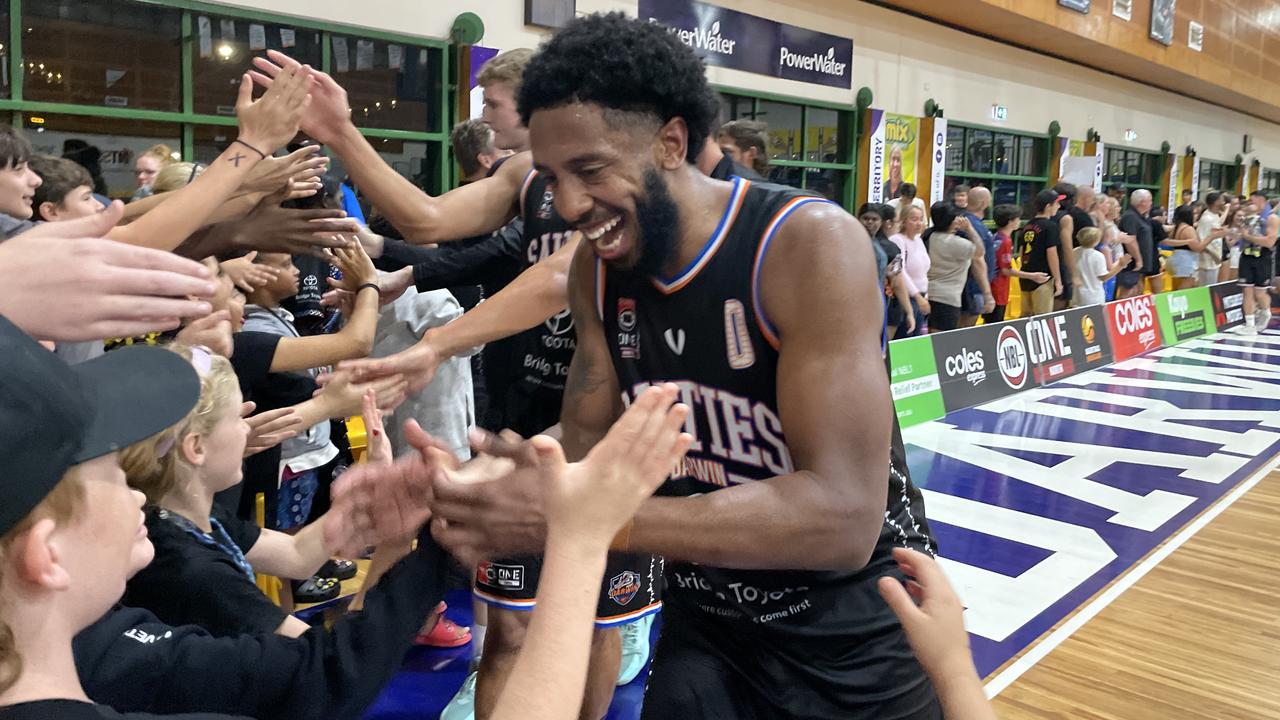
[[826, 182], [113, 142], [1031, 160], [785, 127], [102, 52], [786, 175], [208, 141], [824, 136], [1150, 168], [223, 48], [1004, 192], [1005, 156], [978, 152], [390, 86], [5, 90], [733, 107], [955, 149]]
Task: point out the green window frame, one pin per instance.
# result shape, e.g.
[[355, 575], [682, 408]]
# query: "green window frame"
[[804, 172], [1013, 165], [438, 177], [1217, 175], [1134, 168], [1269, 181]]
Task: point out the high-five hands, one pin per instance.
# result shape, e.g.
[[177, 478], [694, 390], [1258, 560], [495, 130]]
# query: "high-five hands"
[[269, 122], [329, 113], [507, 501]]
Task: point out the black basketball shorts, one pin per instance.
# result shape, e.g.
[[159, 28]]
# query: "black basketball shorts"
[[631, 590]]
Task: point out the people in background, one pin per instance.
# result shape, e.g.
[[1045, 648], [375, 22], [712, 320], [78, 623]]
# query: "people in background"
[[1068, 226], [1134, 222], [978, 200], [907, 196], [148, 164], [1187, 247], [877, 218], [746, 142], [90, 158], [1038, 246], [953, 257], [1257, 268], [65, 192], [1007, 218], [1211, 228], [1095, 267], [915, 264]]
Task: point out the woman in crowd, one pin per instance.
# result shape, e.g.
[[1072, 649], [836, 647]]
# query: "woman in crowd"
[[915, 264], [951, 255], [1187, 246], [149, 164], [872, 216]]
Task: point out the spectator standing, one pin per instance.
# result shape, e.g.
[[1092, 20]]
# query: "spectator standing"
[[1095, 267], [746, 142], [1134, 222], [1210, 227], [1038, 246], [978, 200], [953, 258], [1007, 219], [915, 263]]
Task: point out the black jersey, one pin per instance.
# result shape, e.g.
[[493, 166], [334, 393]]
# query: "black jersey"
[[540, 356], [705, 331]]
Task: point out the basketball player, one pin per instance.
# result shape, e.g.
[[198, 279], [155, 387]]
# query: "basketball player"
[[760, 303], [540, 356]]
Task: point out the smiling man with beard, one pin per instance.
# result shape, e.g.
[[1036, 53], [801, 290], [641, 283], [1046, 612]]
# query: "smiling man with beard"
[[758, 301]]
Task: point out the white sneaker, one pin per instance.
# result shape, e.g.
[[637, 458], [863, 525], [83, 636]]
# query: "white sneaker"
[[1264, 318], [1246, 330], [463, 704]]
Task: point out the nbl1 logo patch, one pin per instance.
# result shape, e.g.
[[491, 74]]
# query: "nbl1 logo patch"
[[1011, 356], [628, 334]]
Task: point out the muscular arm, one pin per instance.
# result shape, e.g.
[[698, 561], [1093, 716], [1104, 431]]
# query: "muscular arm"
[[978, 269], [592, 399], [538, 293], [833, 398], [474, 209]]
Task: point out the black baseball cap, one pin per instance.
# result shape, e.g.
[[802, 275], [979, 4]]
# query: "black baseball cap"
[[1045, 198], [54, 415]]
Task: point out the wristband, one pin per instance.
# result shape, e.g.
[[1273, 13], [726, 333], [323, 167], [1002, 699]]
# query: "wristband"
[[377, 288], [260, 153], [622, 541]]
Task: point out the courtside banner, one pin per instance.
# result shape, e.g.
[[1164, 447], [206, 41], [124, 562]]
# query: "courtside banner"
[[913, 380], [1132, 325], [980, 364], [1184, 314], [1228, 305], [1087, 343]]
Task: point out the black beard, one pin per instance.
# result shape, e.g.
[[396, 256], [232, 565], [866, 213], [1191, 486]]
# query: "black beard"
[[659, 219]]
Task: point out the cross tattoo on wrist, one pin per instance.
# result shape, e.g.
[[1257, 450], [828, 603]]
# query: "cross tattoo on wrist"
[[236, 159]]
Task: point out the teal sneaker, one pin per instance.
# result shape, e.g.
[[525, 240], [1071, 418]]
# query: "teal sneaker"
[[635, 649], [463, 704]]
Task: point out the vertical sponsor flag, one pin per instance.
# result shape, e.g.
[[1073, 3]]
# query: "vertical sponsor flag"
[[1099, 155], [938, 175], [893, 151], [875, 156]]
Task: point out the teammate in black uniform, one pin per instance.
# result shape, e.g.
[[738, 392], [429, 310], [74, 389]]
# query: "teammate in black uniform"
[[760, 303]]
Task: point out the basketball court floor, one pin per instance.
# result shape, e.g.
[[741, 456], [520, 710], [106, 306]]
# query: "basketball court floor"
[[1114, 538]]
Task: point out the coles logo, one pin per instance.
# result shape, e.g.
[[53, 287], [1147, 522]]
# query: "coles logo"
[[1011, 355], [969, 364], [1133, 326]]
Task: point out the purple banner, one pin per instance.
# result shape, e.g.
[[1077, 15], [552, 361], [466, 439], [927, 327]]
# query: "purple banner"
[[727, 38]]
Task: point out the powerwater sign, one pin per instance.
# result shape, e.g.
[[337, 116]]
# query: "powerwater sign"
[[732, 39]]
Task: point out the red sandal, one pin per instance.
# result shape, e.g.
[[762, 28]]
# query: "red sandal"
[[445, 633]]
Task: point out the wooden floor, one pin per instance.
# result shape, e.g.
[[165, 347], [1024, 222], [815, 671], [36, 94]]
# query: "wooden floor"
[[1198, 637]]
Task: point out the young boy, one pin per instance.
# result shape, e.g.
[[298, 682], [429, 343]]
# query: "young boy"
[[307, 459], [1007, 218], [65, 192], [1094, 268], [17, 183]]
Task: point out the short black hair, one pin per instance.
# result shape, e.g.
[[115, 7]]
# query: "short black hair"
[[1184, 214], [15, 149], [1212, 198], [957, 189], [944, 215], [1005, 214], [907, 189], [626, 64]]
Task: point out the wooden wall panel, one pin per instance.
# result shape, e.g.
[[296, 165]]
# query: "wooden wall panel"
[[1239, 67]]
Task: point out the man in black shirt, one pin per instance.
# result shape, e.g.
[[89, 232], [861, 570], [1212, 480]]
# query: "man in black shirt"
[[1038, 246], [1134, 222], [1068, 218]]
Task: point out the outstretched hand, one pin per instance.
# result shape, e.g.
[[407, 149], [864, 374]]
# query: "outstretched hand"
[[417, 366], [272, 120], [930, 612], [274, 229], [506, 501], [329, 113], [374, 503]]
